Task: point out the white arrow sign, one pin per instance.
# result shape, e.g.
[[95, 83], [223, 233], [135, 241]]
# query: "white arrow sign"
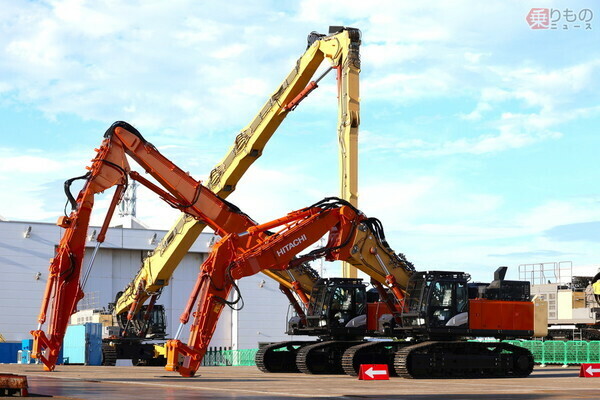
[[372, 372], [590, 370]]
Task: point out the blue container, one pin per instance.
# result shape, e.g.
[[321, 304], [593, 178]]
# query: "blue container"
[[83, 344], [26, 344], [8, 352]]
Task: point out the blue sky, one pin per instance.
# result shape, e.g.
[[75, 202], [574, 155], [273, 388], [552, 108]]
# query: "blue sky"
[[478, 140]]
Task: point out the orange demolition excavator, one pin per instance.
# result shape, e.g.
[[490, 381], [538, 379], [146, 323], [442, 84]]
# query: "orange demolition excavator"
[[111, 168], [259, 247]]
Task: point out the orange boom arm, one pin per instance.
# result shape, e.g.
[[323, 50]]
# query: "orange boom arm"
[[110, 168], [244, 254]]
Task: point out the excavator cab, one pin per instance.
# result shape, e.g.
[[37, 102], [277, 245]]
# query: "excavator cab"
[[335, 304], [436, 301], [154, 328]]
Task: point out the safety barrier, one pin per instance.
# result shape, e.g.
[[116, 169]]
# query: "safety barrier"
[[559, 352], [222, 358]]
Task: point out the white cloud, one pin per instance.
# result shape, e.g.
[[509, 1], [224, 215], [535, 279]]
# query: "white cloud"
[[193, 69], [426, 204], [382, 55], [231, 51], [475, 58], [511, 136], [477, 113], [425, 21], [25, 178], [267, 194], [29, 164], [102, 59], [549, 88], [556, 93], [560, 212], [408, 87]]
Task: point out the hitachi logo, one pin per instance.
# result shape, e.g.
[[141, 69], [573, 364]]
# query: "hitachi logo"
[[291, 245]]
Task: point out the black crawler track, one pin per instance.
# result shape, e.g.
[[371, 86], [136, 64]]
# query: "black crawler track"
[[370, 353], [463, 360], [279, 357], [109, 355], [323, 357]]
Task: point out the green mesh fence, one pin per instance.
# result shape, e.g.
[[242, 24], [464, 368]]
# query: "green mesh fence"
[[577, 352], [594, 350], [221, 358], [559, 352], [554, 352]]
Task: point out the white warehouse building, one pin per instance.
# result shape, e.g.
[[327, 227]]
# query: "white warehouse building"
[[27, 247]]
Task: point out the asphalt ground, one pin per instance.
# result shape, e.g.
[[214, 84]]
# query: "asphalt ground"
[[87, 382]]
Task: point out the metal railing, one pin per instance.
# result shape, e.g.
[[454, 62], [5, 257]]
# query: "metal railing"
[[549, 272]]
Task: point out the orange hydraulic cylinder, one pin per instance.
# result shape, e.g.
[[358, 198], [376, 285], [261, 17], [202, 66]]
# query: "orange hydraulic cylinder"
[[111, 210]]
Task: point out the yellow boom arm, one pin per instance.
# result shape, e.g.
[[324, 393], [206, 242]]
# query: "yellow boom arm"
[[341, 48]]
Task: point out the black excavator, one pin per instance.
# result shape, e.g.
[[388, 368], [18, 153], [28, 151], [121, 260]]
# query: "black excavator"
[[135, 339], [425, 337]]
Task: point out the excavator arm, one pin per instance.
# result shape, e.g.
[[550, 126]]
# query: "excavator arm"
[[341, 49], [111, 168], [352, 237]]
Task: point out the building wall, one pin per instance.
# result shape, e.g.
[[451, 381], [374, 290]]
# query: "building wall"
[[21, 260], [264, 316], [118, 260]]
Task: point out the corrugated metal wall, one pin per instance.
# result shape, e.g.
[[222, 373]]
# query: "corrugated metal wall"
[[118, 260]]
